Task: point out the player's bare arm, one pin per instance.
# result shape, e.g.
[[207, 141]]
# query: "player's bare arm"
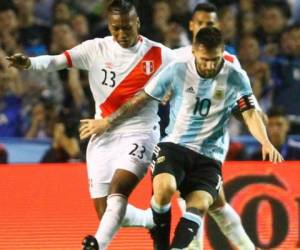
[[257, 128], [89, 127]]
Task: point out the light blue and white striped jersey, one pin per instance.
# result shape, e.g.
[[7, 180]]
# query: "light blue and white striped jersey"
[[200, 108]]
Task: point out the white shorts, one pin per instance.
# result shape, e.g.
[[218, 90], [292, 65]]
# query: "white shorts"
[[105, 154]]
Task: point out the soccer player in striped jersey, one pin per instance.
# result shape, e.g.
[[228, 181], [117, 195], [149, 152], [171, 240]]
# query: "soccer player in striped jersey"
[[118, 66], [205, 15], [205, 90]]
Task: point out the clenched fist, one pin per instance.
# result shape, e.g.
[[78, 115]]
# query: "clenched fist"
[[19, 61]]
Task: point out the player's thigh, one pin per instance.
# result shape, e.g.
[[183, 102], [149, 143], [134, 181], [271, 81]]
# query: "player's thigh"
[[204, 175], [134, 152], [168, 168], [100, 164]]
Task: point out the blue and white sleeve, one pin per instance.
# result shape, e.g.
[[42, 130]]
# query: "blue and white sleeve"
[[244, 99], [160, 84]]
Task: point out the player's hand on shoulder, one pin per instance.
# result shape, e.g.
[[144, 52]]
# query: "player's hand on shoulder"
[[167, 97], [19, 61], [271, 153], [88, 127]]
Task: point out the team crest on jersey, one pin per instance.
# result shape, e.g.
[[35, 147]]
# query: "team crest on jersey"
[[219, 94], [148, 67]]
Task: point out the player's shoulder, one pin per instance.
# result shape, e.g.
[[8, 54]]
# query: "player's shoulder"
[[93, 44], [150, 43], [231, 58], [235, 73]]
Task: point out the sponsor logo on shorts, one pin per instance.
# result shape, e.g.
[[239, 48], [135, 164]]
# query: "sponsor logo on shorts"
[[160, 159]]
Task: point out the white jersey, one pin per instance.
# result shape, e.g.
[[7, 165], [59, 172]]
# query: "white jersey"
[[116, 74], [200, 108]]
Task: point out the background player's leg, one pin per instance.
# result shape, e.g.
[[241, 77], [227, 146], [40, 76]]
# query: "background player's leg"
[[230, 223], [122, 184], [134, 217]]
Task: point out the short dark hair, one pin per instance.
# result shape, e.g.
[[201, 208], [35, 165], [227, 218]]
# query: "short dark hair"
[[209, 37], [6, 5], [122, 6], [205, 7], [276, 111], [281, 5]]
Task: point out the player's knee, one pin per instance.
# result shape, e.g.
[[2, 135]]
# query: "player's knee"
[[163, 188]]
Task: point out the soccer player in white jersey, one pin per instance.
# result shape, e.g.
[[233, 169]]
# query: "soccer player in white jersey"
[[118, 67], [205, 90]]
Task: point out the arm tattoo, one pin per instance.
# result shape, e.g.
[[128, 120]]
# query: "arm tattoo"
[[129, 108]]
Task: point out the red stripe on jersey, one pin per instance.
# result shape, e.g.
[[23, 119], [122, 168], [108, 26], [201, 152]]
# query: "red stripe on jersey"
[[133, 82], [69, 59], [229, 58]]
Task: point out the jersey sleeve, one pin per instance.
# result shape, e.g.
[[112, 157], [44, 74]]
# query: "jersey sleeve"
[[244, 96], [160, 84], [82, 55]]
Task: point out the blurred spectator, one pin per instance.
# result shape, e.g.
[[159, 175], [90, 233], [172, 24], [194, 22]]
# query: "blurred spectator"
[[175, 36], [80, 26], [34, 37], [247, 23], [273, 19], [227, 19], [160, 21], [9, 42], [65, 145], [10, 100], [8, 17], [63, 38], [42, 121], [62, 12], [236, 151], [295, 7], [42, 11], [286, 75], [258, 71], [3, 154], [180, 12], [278, 128]]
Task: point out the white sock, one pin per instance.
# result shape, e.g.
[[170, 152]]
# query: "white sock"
[[158, 208], [230, 224], [135, 217], [111, 220]]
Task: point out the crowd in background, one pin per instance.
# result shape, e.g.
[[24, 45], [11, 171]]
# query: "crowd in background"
[[264, 34]]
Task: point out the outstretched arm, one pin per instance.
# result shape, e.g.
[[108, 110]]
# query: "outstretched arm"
[[257, 128], [47, 63], [89, 127]]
